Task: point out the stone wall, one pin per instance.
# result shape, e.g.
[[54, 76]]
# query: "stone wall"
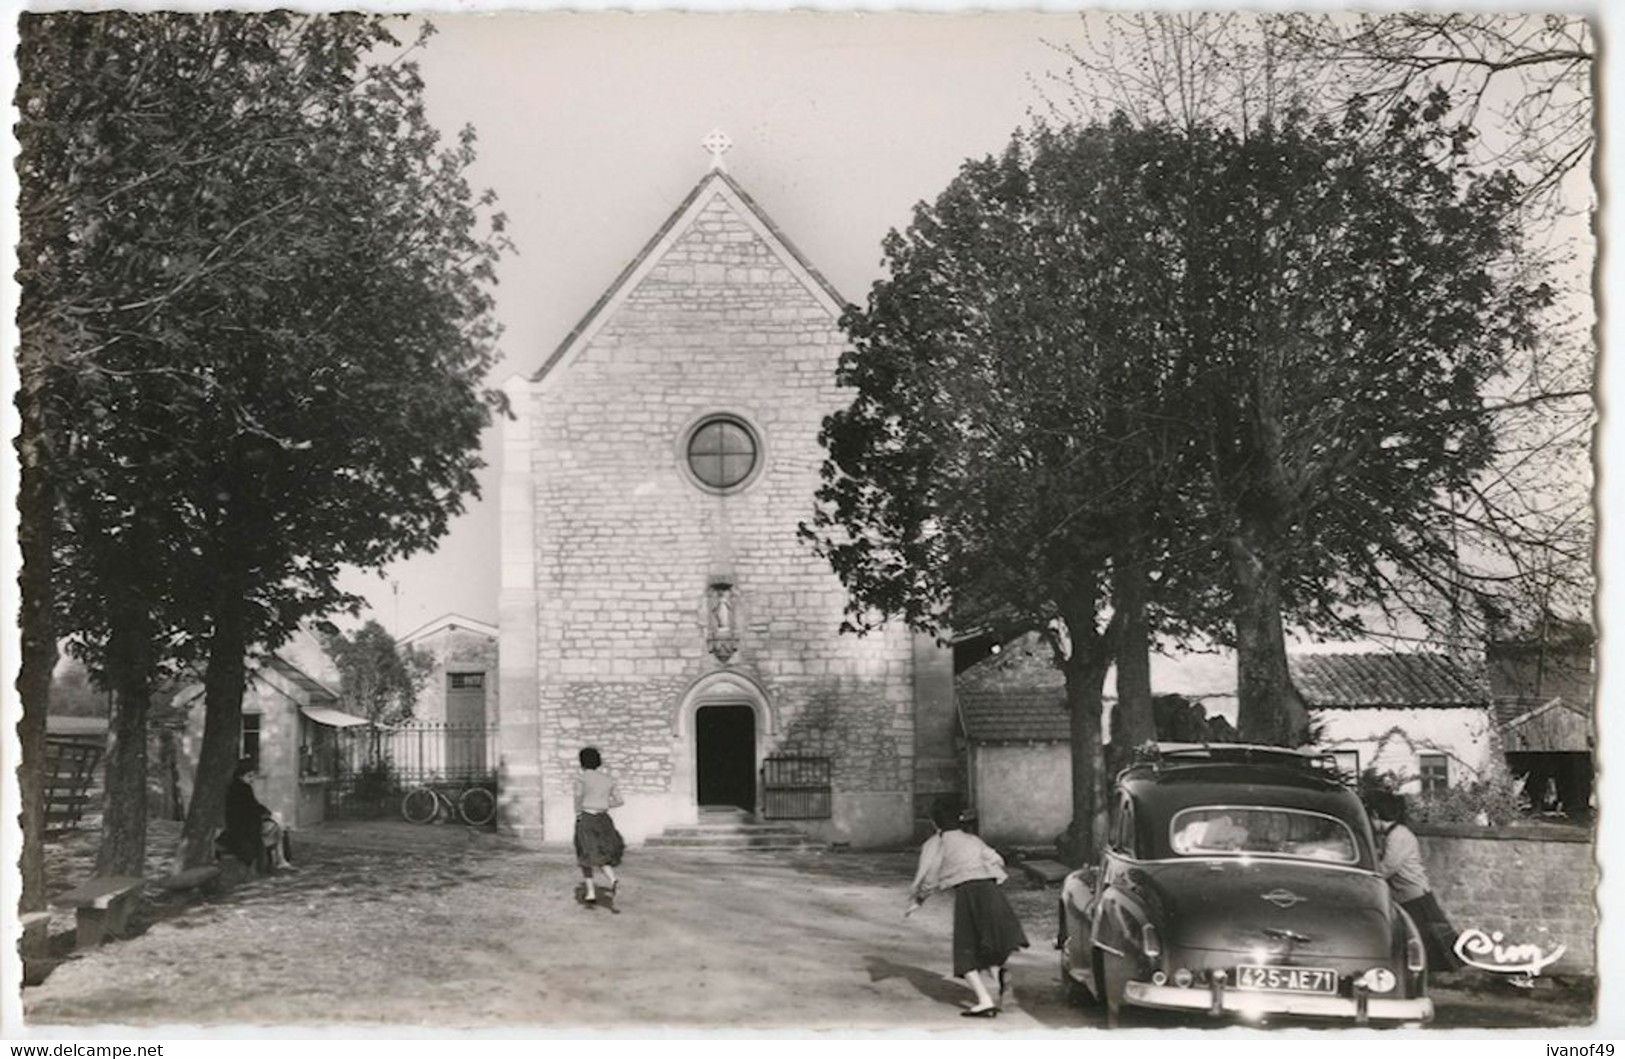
[[1535, 885], [624, 545]]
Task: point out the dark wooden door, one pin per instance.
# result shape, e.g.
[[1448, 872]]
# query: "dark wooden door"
[[725, 755]]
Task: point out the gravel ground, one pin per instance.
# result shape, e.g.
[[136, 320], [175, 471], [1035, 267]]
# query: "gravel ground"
[[386, 924]]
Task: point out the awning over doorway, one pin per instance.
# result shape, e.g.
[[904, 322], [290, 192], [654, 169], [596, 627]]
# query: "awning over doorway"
[[331, 717]]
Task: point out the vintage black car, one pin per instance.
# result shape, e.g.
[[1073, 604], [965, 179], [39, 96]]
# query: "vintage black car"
[[1240, 881]]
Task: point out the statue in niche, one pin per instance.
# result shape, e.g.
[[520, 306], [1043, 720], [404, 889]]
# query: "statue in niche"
[[723, 638]]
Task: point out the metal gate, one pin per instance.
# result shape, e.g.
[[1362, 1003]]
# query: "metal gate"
[[796, 788], [371, 768], [70, 774]]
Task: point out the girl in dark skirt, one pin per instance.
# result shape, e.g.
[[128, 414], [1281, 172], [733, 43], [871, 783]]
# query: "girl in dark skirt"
[[986, 930], [598, 845], [1400, 862]]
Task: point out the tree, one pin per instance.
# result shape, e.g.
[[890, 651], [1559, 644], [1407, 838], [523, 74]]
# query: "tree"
[[1522, 81], [986, 474], [259, 251], [1278, 342], [1517, 536], [1524, 85], [1354, 304], [378, 678], [1517, 98]]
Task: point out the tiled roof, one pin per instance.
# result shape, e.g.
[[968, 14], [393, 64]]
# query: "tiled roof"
[[1014, 715], [1395, 680]]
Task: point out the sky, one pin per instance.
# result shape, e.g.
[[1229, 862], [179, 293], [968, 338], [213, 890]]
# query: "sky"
[[589, 132]]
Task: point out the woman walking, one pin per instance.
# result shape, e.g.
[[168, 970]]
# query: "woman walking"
[[1399, 857], [986, 930], [598, 845]]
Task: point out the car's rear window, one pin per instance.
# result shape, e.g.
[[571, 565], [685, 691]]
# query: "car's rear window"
[[1208, 830]]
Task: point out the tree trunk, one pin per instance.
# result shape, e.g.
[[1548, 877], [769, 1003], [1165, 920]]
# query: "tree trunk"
[[1084, 685], [1085, 666], [1270, 711], [223, 682], [1134, 722], [124, 819], [37, 657]]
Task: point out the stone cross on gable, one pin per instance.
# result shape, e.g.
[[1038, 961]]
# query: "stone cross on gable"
[[717, 143]]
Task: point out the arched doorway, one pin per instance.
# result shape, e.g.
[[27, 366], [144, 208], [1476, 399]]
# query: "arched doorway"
[[725, 756]]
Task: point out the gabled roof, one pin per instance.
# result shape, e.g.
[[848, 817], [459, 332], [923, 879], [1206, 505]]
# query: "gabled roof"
[[318, 692], [713, 184], [1516, 712], [1396, 680], [451, 621], [1014, 715]]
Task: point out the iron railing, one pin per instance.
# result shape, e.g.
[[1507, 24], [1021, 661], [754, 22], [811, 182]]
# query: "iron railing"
[[796, 788], [370, 767]]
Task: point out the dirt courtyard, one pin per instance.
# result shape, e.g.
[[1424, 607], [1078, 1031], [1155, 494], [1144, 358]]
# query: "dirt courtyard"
[[390, 924], [387, 924]]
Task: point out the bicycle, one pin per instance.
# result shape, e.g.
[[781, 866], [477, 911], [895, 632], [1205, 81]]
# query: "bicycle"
[[423, 804]]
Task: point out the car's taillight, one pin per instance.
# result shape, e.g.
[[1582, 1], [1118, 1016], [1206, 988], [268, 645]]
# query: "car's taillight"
[[1150, 944], [1416, 958]]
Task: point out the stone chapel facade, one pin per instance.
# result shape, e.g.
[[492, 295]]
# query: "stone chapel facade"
[[656, 601]]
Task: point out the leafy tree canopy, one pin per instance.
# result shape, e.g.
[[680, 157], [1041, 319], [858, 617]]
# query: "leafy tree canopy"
[[378, 678], [259, 283], [1276, 341]]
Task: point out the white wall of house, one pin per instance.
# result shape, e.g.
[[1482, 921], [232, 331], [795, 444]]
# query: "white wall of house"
[[1022, 792], [274, 701], [1393, 739]]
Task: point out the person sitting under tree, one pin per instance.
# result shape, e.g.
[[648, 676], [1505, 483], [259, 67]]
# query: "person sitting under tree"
[[253, 833]]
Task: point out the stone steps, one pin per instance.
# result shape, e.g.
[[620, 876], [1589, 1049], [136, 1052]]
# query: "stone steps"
[[731, 831]]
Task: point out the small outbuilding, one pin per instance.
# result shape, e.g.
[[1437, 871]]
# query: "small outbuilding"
[[290, 725], [1018, 763]]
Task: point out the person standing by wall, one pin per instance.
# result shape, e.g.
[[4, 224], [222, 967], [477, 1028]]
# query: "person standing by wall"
[[599, 845], [986, 930], [1399, 859]]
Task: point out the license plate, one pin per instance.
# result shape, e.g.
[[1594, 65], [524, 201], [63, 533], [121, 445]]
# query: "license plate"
[[1287, 979]]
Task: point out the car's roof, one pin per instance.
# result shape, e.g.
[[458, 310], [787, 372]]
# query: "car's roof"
[[1226, 773], [1171, 778], [1168, 780]]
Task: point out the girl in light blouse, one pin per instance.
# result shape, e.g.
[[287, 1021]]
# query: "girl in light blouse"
[[599, 845], [986, 930]]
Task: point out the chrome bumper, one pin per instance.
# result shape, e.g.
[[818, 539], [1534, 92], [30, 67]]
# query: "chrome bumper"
[[1255, 1002]]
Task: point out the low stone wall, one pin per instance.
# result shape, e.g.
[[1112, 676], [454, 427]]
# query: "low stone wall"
[[1535, 885]]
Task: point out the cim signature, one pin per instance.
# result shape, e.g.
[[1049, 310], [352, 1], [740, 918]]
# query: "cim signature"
[[1486, 952]]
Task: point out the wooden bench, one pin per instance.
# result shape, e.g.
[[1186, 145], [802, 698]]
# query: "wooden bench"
[[36, 934], [101, 907]]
